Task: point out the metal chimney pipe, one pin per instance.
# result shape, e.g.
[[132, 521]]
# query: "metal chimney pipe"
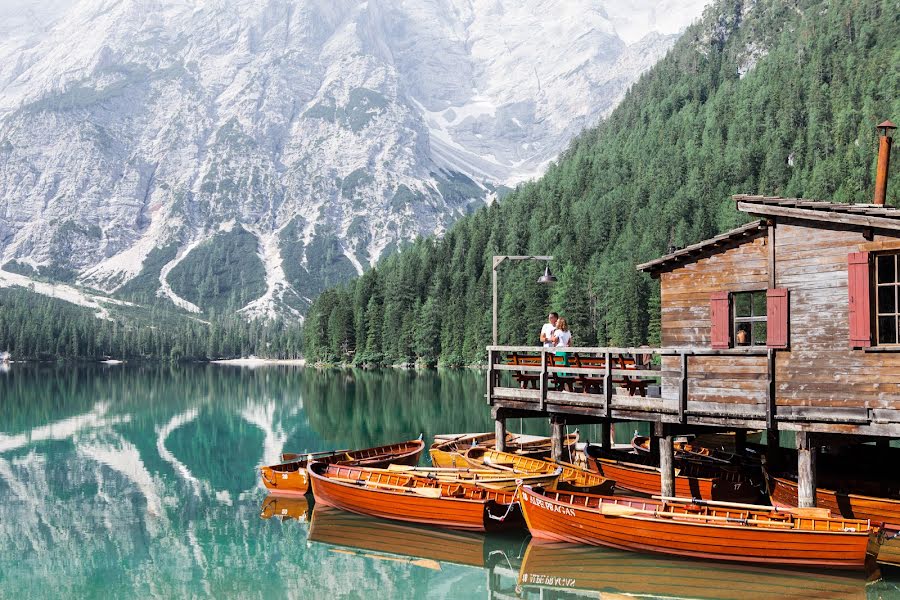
[[884, 160]]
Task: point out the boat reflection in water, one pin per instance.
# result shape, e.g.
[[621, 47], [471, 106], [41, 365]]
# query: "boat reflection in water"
[[286, 507], [419, 546], [559, 570]]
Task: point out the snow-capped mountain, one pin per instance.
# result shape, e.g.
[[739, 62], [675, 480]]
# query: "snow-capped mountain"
[[193, 148]]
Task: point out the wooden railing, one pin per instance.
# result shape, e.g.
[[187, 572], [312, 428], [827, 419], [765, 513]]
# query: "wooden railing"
[[671, 384]]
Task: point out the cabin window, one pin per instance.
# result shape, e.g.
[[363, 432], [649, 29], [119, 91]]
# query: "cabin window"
[[749, 310], [887, 307]]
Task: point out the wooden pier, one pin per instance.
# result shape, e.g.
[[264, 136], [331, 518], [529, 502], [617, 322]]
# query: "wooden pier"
[[788, 323]]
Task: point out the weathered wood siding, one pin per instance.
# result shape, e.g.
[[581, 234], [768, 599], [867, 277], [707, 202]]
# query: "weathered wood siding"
[[721, 385], [821, 369]]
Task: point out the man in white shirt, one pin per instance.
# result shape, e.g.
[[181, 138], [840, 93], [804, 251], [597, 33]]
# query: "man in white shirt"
[[548, 329]]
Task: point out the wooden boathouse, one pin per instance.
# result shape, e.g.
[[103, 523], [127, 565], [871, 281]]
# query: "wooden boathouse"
[[788, 323]]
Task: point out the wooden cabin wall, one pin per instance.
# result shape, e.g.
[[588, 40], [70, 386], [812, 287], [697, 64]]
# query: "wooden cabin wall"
[[721, 385], [821, 370]]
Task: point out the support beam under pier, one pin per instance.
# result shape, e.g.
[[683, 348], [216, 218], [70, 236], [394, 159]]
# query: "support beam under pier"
[[499, 431], [557, 435], [666, 459], [806, 470]]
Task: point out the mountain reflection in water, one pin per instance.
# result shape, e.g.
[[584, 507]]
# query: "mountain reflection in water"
[[140, 481]]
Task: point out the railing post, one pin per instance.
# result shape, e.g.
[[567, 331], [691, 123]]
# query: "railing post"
[[683, 390], [491, 377], [608, 382], [543, 380]]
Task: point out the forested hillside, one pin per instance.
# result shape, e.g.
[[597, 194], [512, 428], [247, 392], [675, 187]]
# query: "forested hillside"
[[775, 97], [35, 327]]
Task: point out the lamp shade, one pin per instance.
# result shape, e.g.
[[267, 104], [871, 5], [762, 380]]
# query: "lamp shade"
[[547, 277]]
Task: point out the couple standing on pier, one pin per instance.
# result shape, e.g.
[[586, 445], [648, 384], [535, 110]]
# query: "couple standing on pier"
[[555, 332]]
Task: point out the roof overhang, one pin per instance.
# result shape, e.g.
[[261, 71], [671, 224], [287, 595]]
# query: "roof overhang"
[[857, 215], [695, 252]]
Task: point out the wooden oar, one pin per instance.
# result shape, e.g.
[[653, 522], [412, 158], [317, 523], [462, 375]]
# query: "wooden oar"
[[812, 513], [297, 457], [619, 510], [427, 492], [437, 470]]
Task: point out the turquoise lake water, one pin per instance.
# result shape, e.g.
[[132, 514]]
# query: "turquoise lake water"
[[126, 482]]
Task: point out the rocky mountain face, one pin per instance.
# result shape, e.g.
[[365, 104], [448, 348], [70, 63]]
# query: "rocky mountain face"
[[241, 155]]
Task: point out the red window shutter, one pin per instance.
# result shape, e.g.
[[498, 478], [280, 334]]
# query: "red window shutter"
[[777, 318], [720, 319], [860, 301]]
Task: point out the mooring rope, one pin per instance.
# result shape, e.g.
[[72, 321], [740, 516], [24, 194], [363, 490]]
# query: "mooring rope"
[[509, 506]]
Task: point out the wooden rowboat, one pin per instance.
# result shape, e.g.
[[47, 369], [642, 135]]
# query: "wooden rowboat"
[[572, 477], [290, 478], [692, 480], [487, 478], [576, 571], [759, 535], [450, 454], [693, 451], [447, 449], [402, 497], [881, 511], [641, 443]]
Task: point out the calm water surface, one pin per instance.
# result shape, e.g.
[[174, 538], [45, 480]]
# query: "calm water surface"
[[127, 482]]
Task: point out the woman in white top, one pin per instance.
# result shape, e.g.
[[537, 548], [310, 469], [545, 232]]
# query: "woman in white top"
[[562, 337]]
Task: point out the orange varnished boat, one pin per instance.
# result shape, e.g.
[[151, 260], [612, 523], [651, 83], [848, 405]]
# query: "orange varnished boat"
[[583, 571], [447, 450], [692, 480], [450, 454], [376, 538], [572, 478], [290, 478], [285, 507], [694, 451], [881, 511], [761, 535], [401, 497]]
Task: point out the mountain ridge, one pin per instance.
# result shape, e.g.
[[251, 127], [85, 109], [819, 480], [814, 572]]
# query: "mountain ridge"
[[335, 132]]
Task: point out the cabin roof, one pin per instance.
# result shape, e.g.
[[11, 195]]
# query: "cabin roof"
[[862, 215], [691, 253]]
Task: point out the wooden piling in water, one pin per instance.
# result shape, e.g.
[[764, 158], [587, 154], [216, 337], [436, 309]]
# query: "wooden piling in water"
[[557, 433], [806, 470], [666, 450]]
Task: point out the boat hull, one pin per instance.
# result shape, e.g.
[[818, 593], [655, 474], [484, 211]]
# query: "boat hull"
[[483, 514], [290, 478], [883, 511], [558, 521]]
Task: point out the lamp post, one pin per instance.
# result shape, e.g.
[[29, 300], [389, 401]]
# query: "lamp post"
[[546, 278]]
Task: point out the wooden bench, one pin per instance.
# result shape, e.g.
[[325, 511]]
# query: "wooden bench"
[[588, 384], [593, 384]]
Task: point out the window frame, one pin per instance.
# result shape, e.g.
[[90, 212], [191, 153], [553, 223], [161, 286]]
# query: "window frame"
[[736, 320], [876, 308]]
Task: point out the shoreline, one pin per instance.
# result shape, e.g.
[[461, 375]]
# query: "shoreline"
[[252, 361]]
